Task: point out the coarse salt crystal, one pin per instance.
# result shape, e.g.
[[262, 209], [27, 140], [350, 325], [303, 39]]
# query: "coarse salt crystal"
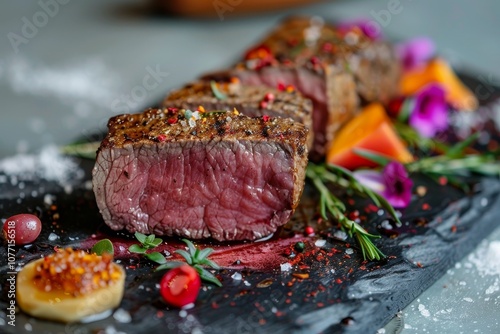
[[320, 243], [340, 235], [122, 316], [486, 259], [285, 266], [349, 251], [53, 236], [236, 276], [423, 311]]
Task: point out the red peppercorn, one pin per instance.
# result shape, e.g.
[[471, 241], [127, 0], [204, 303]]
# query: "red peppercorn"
[[161, 137], [172, 110], [172, 120], [263, 104], [309, 231], [281, 86], [327, 47], [315, 60], [266, 118], [269, 97]]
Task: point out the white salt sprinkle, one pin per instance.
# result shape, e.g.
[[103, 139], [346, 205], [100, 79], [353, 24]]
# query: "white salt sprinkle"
[[49, 164], [487, 258], [423, 311], [320, 243], [53, 236], [285, 266], [122, 316], [236, 276], [349, 251]]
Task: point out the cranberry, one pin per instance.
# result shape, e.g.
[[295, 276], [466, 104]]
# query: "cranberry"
[[180, 286], [23, 228]]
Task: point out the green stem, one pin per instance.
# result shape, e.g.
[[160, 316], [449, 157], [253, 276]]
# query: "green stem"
[[334, 206]]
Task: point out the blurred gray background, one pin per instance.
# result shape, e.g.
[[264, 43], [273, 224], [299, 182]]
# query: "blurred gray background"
[[83, 61], [87, 60]]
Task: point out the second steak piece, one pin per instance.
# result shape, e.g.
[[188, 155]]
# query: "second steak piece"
[[249, 100], [218, 175], [336, 69]]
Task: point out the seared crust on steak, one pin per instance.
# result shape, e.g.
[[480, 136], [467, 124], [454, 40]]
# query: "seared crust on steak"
[[249, 100]]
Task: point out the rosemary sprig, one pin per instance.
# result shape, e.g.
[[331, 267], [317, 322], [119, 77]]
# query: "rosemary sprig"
[[331, 204], [415, 140], [83, 150], [453, 163], [465, 166]]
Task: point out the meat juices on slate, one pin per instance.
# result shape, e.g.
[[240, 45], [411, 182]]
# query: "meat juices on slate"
[[218, 175]]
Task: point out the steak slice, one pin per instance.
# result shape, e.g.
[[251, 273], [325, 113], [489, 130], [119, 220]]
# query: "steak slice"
[[218, 174], [249, 100], [336, 69]]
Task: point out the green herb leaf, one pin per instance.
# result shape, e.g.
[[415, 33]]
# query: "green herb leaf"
[[457, 150], [209, 263], [217, 93], [137, 249], [207, 276], [170, 265], [103, 246], [204, 253], [141, 237], [156, 257], [149, 239], [86, 150], [185, 255], [379, 159], [156, 242], [191, 246], [406, 109]]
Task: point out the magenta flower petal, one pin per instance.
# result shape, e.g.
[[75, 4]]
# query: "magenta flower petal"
[[370, 28], [398, 185], [415, 52], [430, 111]]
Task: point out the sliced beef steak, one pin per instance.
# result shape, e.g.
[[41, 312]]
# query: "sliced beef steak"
[[218, 175], [336, 69], [249, 100]]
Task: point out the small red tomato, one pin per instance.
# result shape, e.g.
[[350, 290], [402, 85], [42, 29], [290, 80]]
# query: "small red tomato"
[[23, 228], [180, 286]]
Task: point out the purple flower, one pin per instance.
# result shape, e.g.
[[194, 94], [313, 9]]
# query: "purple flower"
[[430, 111], [393, 183], [370, 28], [397, 185], [415, 52]]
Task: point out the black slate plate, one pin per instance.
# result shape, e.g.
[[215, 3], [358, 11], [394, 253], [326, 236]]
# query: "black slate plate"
[[354, 297]]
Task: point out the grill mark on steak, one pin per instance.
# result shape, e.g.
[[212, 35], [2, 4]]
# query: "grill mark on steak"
[[234, 186]]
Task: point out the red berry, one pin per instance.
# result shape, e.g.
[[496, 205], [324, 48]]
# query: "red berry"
[[23, 228], [180, 286]]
